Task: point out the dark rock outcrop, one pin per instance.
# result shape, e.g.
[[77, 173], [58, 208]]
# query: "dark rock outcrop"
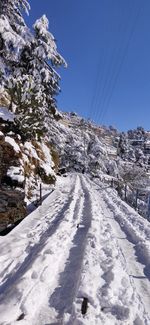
[[12, 207]]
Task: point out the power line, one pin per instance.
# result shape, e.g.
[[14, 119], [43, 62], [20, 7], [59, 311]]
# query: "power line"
[[106, 66], [115, 61], [106, 84], [108, 99], [99, 75]]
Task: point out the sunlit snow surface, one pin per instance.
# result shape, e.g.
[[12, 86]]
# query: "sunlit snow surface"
[[82, 242], [13, 143]]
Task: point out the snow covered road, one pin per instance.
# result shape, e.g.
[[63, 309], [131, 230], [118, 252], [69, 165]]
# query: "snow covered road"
[[82, 242]]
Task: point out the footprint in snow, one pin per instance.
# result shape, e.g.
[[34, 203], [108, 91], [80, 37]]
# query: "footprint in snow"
[[48, 251], [120, 312], [92, 244], [31, 234], [34, 275], [138, 321], [21, 317]]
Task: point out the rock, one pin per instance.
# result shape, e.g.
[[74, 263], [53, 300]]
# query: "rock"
[[8, 157], [12, 207], [84, 306], [2, 139]]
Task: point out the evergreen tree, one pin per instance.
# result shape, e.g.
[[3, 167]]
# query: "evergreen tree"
[[34, 82], [13, 35], [27, 62], [13, 30]]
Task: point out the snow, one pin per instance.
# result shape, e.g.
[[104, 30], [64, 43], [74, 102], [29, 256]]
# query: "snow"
[[16, 173], [29, 148], [82, 242], [46, 163], [13, 143], [6, 115], [47, 47], [48, 160], [8, 34]]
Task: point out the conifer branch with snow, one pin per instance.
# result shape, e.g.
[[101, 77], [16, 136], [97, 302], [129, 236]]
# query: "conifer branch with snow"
[[28, 62]]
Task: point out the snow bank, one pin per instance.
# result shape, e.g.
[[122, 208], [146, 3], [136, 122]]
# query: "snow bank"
[[13, 143], [16, 173]]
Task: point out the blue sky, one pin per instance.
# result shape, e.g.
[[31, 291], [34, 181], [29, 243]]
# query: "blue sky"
[[106, 44]]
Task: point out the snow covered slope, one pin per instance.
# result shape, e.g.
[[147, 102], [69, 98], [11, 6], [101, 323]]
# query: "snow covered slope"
[[83, 242], [83, 145]]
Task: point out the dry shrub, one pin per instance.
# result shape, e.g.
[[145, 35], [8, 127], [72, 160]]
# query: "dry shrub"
[[39, 151], [55, 156]]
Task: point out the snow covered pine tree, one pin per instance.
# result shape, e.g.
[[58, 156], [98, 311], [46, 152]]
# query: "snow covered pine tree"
[[37, 63], [12, 33], [31, 79]]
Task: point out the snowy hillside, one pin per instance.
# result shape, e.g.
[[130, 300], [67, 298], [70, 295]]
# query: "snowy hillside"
[[106, 154], [71, 144], [82, 145], [25, 165]]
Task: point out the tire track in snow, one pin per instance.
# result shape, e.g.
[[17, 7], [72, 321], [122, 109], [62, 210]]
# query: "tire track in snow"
[[63, 297], [41, 277], [74, 219], [35, 250], [97, 284], [129, 244], [112, 258], [134, 237], [27, 233]]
